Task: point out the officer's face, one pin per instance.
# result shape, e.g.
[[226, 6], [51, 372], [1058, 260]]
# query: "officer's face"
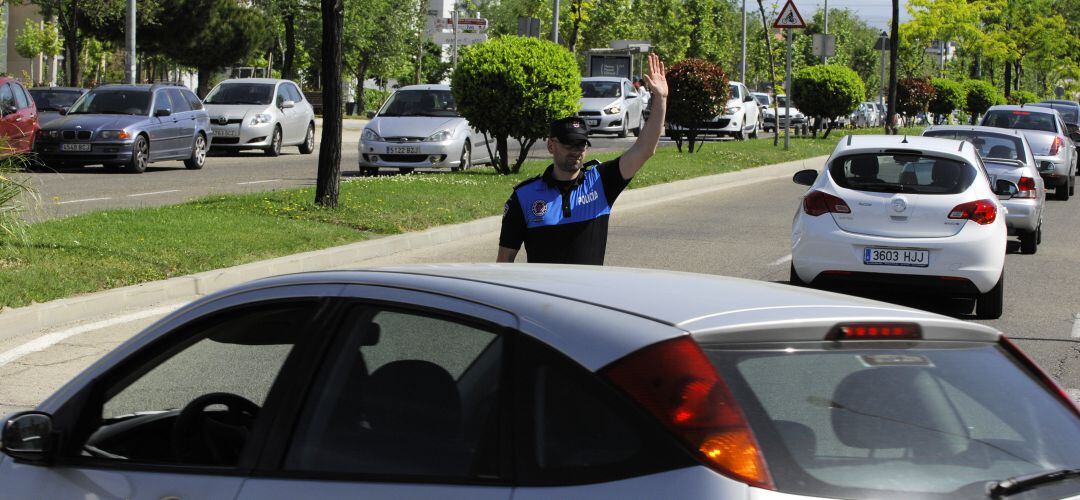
[[568, 157]]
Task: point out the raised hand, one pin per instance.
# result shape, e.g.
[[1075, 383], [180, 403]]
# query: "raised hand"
[[656, 79]]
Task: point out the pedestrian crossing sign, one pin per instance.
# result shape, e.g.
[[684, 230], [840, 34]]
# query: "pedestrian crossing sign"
[[789, 17]]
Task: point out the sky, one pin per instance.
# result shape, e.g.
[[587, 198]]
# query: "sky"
[[877, 13]]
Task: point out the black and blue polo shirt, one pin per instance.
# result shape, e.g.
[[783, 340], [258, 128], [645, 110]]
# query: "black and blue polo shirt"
[[563, 222]]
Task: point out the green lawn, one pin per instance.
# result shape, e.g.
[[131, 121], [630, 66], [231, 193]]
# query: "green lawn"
[[101, 250]]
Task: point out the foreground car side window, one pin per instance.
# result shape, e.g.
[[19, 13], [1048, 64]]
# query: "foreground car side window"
[[406, 394], [197, 402]]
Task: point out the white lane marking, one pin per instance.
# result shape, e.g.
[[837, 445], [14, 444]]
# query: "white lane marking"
[[256, 182], [46, 341], [782, 260], [1076, 326], [154, 192], [81, 201]]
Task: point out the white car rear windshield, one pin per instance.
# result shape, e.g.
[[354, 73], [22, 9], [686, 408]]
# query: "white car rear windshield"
[[989, 145], [1019, 119], [898, 420], [902, 173]]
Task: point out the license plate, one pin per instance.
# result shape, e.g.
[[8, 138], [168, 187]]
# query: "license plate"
[[74, 147], [910, 257], [593, 123], [402, 150], [226, 132]]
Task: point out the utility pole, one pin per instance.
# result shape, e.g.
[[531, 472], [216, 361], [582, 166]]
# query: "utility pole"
[[881, 90], [742, 72], [825, 58], [555, 21], [787, 101], [129, 68]]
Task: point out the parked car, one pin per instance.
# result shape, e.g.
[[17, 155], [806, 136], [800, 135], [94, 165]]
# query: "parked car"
[[1007, 157], [771, 121], [909, 213], [18, 117], [129, 126], [419, 127], [260, 113], [530, 382], [51, 101], [1054, 146], [611, 105], [866, 115]]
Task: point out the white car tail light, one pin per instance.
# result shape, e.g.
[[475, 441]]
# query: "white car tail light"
[[816, 203], [678, 385], [981, 211]]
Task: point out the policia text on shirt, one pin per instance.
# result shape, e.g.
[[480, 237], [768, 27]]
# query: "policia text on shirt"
[[562, 215]]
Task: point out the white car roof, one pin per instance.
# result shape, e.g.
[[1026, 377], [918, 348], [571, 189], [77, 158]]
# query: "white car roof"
[[1014, 107], [881, 143], [254, 80], [433, 86]]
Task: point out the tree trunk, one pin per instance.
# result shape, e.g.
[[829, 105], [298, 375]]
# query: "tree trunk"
[[828, 130], [503, 165], [69, 25], [204, 81], [523, 152], [287, 71], [329, 178], [361, 77], [772, 73], [894, 57], [1008, 79]]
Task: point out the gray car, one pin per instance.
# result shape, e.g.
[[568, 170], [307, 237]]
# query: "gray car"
[[52, 101], [1007, 157], [1054, 146], [129, 127], [529, 382], [260, 113]]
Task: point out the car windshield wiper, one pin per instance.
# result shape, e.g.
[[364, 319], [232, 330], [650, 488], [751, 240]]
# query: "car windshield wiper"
[[1017, 484]]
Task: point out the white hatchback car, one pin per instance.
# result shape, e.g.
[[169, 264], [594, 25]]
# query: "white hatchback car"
[[260, 113], [902, 212], [530, 382], [612, 105]]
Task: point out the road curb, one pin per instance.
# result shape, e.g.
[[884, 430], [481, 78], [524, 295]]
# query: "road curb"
[[37, 317]]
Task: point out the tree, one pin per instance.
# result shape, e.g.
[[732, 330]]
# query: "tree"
[[28, 44], [1022, 97], [698, 92], [67, 13], [514, 86], [894, 55], [376, 38], [980, 96], [949, 95], [328, 182], [827, 90], [914, 96], [772, 69]]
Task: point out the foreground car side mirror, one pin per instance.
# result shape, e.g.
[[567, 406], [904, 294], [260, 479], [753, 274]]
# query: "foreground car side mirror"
[[1075, 136], [370, 114], [287, 104], [1005, 189], [28, 436], [748, 98], [63, 111], [805, 177], [163, 112]]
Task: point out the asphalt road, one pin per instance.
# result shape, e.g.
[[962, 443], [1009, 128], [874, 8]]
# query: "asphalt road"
[[743, 232]]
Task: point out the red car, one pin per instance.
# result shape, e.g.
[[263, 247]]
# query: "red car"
[[18, 117]]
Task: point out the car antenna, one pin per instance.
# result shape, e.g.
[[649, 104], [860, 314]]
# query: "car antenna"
[[849, 139], [905, 140]]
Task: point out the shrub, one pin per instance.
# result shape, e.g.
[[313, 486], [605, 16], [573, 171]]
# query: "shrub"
[[514, 86], [16, 191], [980, 96], [698, 90], [914, 95], [374, 98], [949, 96], [827, 90], [1022, 97]]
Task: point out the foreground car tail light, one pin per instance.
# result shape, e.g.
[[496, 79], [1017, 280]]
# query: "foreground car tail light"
[[1056, 146], [1026, 188], [816, 203], [981, 211], [875, 331], [1043, 377], [678, 385]]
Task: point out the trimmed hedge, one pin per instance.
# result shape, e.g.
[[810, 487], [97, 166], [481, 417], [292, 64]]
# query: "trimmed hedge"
[[980, 96], [914, 95], [828, 90], [698, 91], [949, 96], [1023, 97]]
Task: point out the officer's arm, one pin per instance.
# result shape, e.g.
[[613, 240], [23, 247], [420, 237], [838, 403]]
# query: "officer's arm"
[[645, 146], [506, 254]]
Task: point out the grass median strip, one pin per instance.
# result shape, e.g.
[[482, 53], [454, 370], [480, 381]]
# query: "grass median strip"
[[113, 248]]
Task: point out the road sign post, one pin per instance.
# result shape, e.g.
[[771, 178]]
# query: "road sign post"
[[788, 19]]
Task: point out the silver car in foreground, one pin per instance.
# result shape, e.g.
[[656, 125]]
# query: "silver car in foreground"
[[611, 105], [537, 381], [1054, 147], [260, 113], [1008, 158], [419, 127]]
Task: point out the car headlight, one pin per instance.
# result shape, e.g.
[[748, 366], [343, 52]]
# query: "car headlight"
[[261, 118], [370, 135], [113, 134], [732, 110], [440, 136], [613, 109]]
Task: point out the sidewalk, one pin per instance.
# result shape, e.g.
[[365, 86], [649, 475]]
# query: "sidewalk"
[[25, 321], [347, 124]]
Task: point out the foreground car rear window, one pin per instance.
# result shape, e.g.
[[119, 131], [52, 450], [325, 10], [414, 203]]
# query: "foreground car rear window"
[[902, 173], [881, 420]]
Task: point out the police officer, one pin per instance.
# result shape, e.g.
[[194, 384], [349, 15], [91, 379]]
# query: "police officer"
[[562, 215]]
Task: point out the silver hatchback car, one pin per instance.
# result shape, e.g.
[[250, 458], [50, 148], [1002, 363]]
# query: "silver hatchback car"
[[531, 382], [260, 113]]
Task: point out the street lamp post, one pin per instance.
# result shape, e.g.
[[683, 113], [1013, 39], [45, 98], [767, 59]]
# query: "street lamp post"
[[130, 66], [883, 40]]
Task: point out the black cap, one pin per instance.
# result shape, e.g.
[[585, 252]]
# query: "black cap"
[[570, 130]]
